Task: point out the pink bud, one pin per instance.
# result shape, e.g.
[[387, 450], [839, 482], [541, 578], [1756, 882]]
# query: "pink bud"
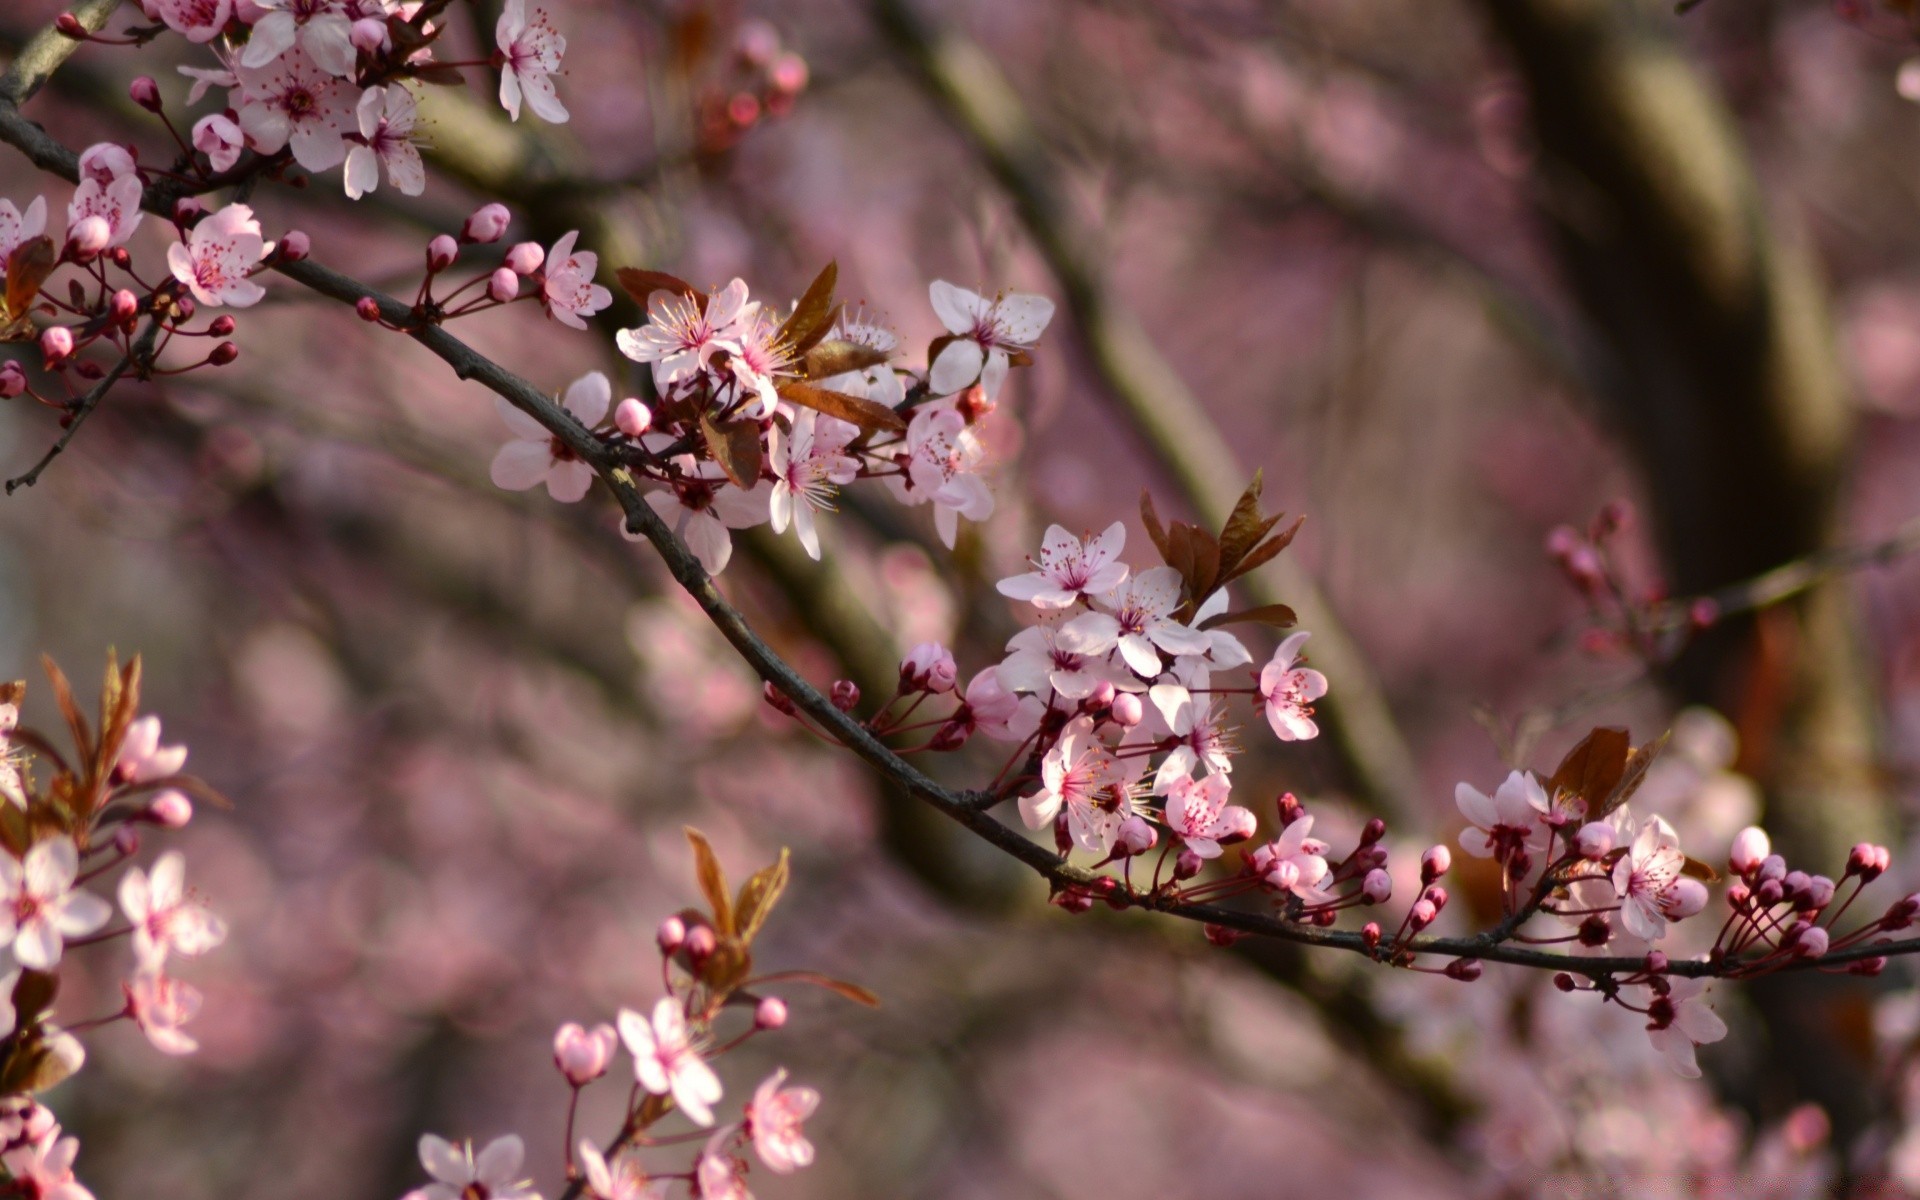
[[630, 416], [88, 237], [441, 252], [928, 667], [1864, 861], [1795, 884], [1423, 914], [184, 307], [1902, 912], [1244, 826], [13, 379], [1377, 886], [486, 224], [187, 211], [1436, 895], [1072, 900], [743, 109], [223, 354], [950, 736], [124, 307], [1769, 893], [146, 93], [70, 26], [1738, 894], [1137, 836], [126, 840], [503, 285], [1127, 710], [1772, 867], [1594, 841], [1684, 898], [525, 258], [1220, 935], [56, 344], [1289, 808], [788, 74], [1372, 831], [1868, 966], [1584, 567], [1435, 863], [1750, 849], [1562, 541], [170, 809], [700, 943], [1370, 934], [1808, 941], [1466, 970], [1818, 893], [369, 35], [770, 1013], [670, 935], [1657, 962], [1187, 865], [368, 308], [295, 246], [1565, 982], [846, 694], [1102, 695], [583, 1056], [1703, 613], [220, 326]]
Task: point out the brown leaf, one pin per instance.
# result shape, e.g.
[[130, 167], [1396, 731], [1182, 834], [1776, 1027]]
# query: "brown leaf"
[[1696, 869], [1277, 615], [641, 285], [1265, 552], [736, 447], [713, 881], [840, 987], [1180, 548], [1206, 565], [1243, 529], [758, 895], [1592, 769], [27, 268], [814, 315], [438, 74], [836, 357], [33, 995], [869, 415], [1636, 774], [63, 696], [1151, 520], [728, 966]]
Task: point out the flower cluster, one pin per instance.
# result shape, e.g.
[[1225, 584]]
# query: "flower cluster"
[[707, 964]]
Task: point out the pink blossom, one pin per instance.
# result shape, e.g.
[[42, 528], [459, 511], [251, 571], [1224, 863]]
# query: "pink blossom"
[[879, 383], [195, 20], [719, 1174], [762, 360], [17, 228], [985, 333], [530, 51], [1197, 719], [1681, 1021], [1750, 849], [386, 116], [581, 1054], [117, 203], [938, 465], [1038, 662], [1645, 880], [928, 667], [319, 26], [458, 1175], [1288, 691], [217, 137], [217, 257], [1500, 824], [165, 915], [1094, 787], [773, 1120], [568, 290], [621, 1179], [43, 1167], [807, 464], [38, 908], [1141, 623], [1000, 714], [142, 758], [1070, 569], [292, 102], [666, 1061], [105, 162], [1224, 650], [700, 510], [208, 77], [535, 456], [1198, 813], [1294, 862], [682, 334], [160, 1005]]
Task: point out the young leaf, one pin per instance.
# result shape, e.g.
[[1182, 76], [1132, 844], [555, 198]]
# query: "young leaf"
[[836, 357], [1206, 565], [1244, 527], [1277, 615], [814, 315], [758, 895], [63, 696], [1180, 548], [1155, 531], [1634, 775], [870, 416], [839, 987], [641, 285], [1592, 769], [1693, 868], [1265, 552], [736, 447], [27, 268], [713, 881]]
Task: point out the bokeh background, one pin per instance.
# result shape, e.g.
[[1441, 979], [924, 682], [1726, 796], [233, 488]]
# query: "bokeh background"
[[1449, 274]]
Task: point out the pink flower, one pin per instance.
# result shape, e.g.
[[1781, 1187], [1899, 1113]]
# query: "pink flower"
[[1094, 787], [117, 203], [43, 1167], [1647, 878], [292, 102], [1000, 714], [985, 333], [386, 117], [1500, 824], [1040, 663], [568, 290], [142, 758], [682, 334], [1198, 720], [38, 908], [105, 162], [1682, 1021], [16, 228], [217, 257], [807, 463], [195, 20], [217, 137], [1288, 692], [666, 1062], [1069, 569], [701, 510], [535, 456], [1141, 621], [320, 27], [583, 1055], [1199, 815], [530, 53], [773, 1120], [621, 1179], [879, 383], [763, 358], [457, 1175], [208, 77], [719, 1174], [165, 915], [941, 456], [1294, 862], [160, 1005]]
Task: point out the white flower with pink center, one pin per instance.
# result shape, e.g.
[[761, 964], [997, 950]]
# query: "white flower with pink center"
[[683, 333], [387, 116], [1071, 569], [1140, 625], [985, 335], [1224, 650], [1037, 662], [1294, 863], [997, 712], [39, 910], [567, 287], [719, 1174], [1197, 719], [165, 915], [291, 102], [1681, 1021], [620, 1179], [160, 1005], [760, 360], [535, 456], [1499, 825], [17, 228], [220, 139], [459, 1175], [117, 203], [43, 1167], [142, 758], [774, 1117], [807, 464], [1083, 777], [219, 254], [879, 383], [701, 507], [666, 1061], [530, 51], [1199, 815], [320, 27], [209, 77], [196, 20], [937, 464], [1648, 881], [1287, 691]]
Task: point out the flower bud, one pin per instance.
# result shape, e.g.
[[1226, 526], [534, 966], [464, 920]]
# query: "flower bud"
[[145, 92], [525, 258], [126, 840], [184, 307], [1244, 826], [1703, 613], [1808, 940], [1562, 541], [1072, 900], [846, 694], [1437, 894], [1750, 849], [369, 36], [1771, 867], [13, 380], [1220, 935], [220, 326], [1372, 831], [223, 354], [1868, 966], [671, 934], [1656, 962], [1290, 809], [1864, 860], [1466, 970], [170, 809], [776, 699], [1796, 884], [1377, 886], [700, 944], [1187, 865], [1423, 914], [630, 416], [1370, 935], [1564, 982], [770, 1013], [1127, 710], [1819, 893], [951, 736], [1435, 863], [295, 246], [1738, 894], [788, 75], [928, 667], [1137, 836], [441, 252], [88, 237], [90, 371], [1769, 893], [503, 286], [123, 307], [1594, 841], [56, 344], [1684, 897], [486, 224], [1902, 912], [69, 26], [368, 309], [187, 211], [583, 1056]]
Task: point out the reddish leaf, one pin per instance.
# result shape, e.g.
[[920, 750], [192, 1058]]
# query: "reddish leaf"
[[840, 987], [1206, 565], [870, 416], [1277, 615], [713, 881], [736, 447], [1265, 552], [641, 285], [1696, 869], [27, 268], [815, 313], [1155, 531], [1592, 769], [1635, 774], [758, 895], [1244, 526], [836, 357]]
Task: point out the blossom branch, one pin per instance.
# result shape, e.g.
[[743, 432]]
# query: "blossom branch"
[[139, 359]]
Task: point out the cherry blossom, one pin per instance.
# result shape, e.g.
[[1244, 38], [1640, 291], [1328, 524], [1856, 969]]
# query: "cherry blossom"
[[43, 1167], [807, 463], [142, 758], [208, 77], [160, 1005], [216, 136], [719, 1174], [879, 383], [1224, 650], [319, 26], [666, 1062], [10, 759], [569, 292], [1037, 662], [1141, 621], [17, 227], [1094, 787], [386, 116], [1198, 813], [1288, 691], [682, 334], [165, 916], [106, 162], [1681, 1022], [583, 1054], [1070, 569], [762, 359], [986, 332], [1196, 719], [291, 102], [621, 1179], [1002, 715], [217, 257], [38, 908], [530, 51], [458, 1175], [1500, 824], [117, 202], [773, 1120], [195, 20], [1294, 862], [700, 510], [1647, 879], [940, 457], [536, 456]]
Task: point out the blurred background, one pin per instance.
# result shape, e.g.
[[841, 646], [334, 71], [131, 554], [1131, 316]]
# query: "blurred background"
[[1450, 275]]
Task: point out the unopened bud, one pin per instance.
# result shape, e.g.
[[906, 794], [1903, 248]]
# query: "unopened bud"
[[1594, 841], [1137, 836], [69, 26], [88, 237], [1684, 897], [700, 944], [1466, 970], [1864, 860], [1127, 710], [145, 92], [486, 224], [126, 840], [525, 258], [1795, 884], [13, 380], [788, 74], [1750, 849], [223, 354], [776, 699], [1808, 941], [170, 809], [187, 211], [1769, 893], [220, 326], [1372, 831], [295, 246], [1377, 886], [630, 416], [502, 286], [950, 736], [846, 694], [1818, 894], [123, 307], [1437, 861], [441, 252], [583, 1056], [671, 935], [1102, 695], [1423, 913], [1290, 808], [1771, 867], [56, 344], [1902, 912], [1562, 541], [770, 1013], [1072, 900], [369, 35], [1187, 865], [1565, 982], [1220, 935], [1703, 613], [1370, 935], [1868, 966], [368, 308]]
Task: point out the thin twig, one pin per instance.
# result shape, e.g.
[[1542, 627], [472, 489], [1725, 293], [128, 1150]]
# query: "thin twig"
[[139, 358]]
